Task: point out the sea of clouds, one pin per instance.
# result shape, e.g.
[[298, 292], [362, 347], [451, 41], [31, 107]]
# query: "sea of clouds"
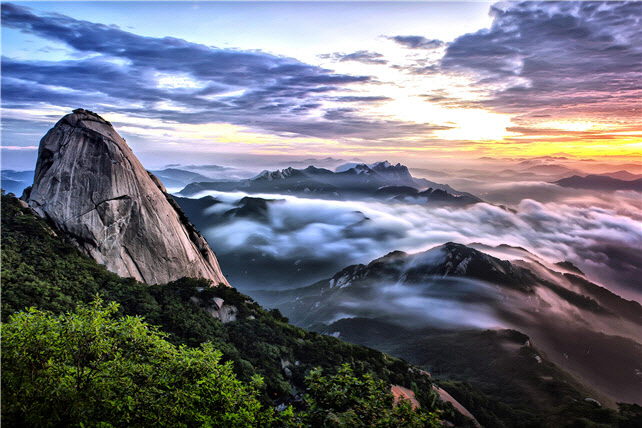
[[601, 234]]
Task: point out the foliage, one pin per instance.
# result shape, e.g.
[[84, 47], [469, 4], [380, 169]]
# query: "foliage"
[[89, 369], [42, 268], [345, 400]]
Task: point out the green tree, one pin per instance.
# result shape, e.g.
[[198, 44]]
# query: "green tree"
[[89, 369], [345, 400]]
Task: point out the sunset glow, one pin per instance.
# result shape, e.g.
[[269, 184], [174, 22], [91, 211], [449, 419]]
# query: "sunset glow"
[[408, 82]]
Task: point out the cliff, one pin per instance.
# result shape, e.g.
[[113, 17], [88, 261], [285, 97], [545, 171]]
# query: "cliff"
[[89, 183]]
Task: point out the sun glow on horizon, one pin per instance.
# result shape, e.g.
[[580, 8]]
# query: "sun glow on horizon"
[[571, 125]]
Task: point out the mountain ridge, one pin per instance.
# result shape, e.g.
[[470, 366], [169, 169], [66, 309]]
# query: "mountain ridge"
[[600, 182], [575, 322], [381, 180]]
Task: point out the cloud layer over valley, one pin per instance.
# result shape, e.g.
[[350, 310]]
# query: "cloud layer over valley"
[[601, 236]]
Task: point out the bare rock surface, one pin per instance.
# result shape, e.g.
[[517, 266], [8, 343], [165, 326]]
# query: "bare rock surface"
[[91, 185]]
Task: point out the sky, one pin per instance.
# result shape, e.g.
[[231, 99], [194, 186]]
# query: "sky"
[[193, 81]]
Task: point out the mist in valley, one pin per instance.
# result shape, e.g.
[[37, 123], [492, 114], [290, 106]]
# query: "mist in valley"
[[310, 239]]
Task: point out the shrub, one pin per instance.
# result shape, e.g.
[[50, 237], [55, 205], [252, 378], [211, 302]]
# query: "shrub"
[[89, 369]]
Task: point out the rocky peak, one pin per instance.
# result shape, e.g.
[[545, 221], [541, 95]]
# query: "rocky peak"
[[312, 170], [279, 174], [382, 165], [362, 169], [399, 171], [89, 183], [451, 259]]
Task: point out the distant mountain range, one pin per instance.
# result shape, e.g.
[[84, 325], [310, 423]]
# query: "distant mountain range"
[[600, 182], [179, 178], [622, 175], [551, 169], [15, 181], [577, 324], [381, 180]]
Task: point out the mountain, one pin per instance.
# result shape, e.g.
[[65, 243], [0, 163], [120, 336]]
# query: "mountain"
[[197, 209], [431, 172], [178, 178], [552, 169], [89, 183], [255, 208], [184, 174], [454, 288], [12, 186], [358, 181], [600, 182], [622, 175], [41, 269], [328, 162]]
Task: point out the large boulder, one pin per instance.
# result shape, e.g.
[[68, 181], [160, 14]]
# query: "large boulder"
[[89, 183]]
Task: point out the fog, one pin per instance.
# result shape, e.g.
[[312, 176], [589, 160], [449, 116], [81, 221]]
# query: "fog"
[[444, 303], [600, 235]]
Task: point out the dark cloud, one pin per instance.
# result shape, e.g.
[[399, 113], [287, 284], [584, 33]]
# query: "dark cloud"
[[562, 58], [364, 57], [348, 123], [417, 42], [418, 70], [228, 67], [178, 81]]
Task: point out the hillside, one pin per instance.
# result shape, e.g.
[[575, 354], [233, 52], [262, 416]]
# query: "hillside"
[[42, 269], [532, 335]]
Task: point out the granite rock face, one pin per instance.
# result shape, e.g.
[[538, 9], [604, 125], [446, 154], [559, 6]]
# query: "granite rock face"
[[90, 184]]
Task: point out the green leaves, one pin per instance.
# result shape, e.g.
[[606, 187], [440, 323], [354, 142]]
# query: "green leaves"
[[89, 369], [345, 400]]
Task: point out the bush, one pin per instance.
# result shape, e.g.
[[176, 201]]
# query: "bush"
[[87, 368], [345, 400]]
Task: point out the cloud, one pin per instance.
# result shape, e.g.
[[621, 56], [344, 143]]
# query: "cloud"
[[602, 239], [560, 58], [364, 57], [352, 99], [19, 148], [453, 302], [420, 70], [417, 42], [222, 66], [177, 81]]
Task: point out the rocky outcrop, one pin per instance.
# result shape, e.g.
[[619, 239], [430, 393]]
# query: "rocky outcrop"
[[89, 184], [217, 308], [447, 398]]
